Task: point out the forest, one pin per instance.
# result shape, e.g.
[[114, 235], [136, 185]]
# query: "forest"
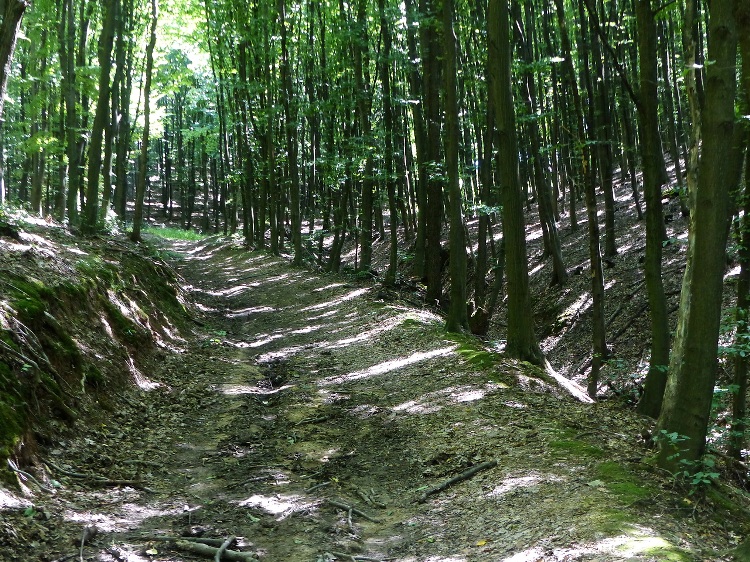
[[489, 162]]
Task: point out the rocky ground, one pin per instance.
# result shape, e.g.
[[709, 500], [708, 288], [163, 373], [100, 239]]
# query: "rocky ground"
[[317, 418]]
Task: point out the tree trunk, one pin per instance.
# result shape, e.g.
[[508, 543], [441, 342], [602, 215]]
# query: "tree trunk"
[[140, 187], [692, 369], [11, 24], [106, 41], [522, 343], [656, 379], [457, 314]]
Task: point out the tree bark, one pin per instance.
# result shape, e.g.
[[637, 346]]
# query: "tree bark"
[[140, 190], [457, 314], [650, 403], [11, 24], [106, 42], [693, 365], [521, 341]]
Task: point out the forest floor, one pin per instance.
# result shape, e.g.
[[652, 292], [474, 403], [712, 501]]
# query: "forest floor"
[[313, 416]]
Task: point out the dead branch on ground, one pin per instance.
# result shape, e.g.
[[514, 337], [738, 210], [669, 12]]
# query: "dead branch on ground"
[[465, 475]]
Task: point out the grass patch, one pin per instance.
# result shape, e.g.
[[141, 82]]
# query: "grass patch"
[[174, 233], [622, 482]]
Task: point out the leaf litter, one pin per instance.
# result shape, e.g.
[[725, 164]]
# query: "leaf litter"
[[306, 416]]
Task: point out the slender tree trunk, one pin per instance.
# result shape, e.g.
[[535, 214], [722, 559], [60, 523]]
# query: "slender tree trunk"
[[656, 379], [522, 342], [457, 314], [106, 42], [431, 53], [140, 186], [9, 28], [739, 400], [692, 369]]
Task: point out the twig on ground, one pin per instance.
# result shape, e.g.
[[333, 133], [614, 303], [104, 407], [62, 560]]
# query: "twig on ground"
[[312, 420], [349, 519], [161, 538], [223, 548], [12, 465], [356, 557], [317, 486], [465, 475], [100, 480], [210, 551], [347, 507]]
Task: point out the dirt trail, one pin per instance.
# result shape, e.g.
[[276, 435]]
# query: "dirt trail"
[[300, 391]]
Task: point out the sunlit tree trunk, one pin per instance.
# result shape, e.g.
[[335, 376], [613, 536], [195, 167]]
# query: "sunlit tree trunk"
[[693, 365], [140, 186], [9, 28], [106, 42]]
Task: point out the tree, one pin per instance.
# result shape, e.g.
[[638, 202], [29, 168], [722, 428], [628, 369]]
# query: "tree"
[[9, 28], [106, 41], [648, 119], [692, 368], [522, 342], [457, 314], [140, 190]]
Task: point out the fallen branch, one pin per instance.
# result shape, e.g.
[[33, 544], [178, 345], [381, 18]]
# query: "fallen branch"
[[12, 465], [347, 508], [223, 548], [102, 481], [317, 486], [161, 538], [465, 475], [210, 551], [356, 557]]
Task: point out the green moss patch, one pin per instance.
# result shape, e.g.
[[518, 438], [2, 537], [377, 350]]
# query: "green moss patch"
[[472, 352], [575, 448], [622, 482]]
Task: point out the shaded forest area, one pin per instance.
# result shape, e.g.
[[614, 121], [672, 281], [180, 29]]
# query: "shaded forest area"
[[318, 129]]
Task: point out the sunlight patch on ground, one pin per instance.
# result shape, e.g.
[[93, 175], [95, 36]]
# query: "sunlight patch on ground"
[[735, 271], [10, 500], [278, 505], [638, 541], [231, 291], [321, 316], [143, 382], [267, 338], [251, 310], [280, 354], [119, 518], [388, 366], [331, 286], [347, 297], [513, 483], [579, 306], [537, 269], [434, 401]]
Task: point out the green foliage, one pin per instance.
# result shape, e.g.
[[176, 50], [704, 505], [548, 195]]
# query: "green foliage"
[[174, 233], [471, 351], [696, 474]]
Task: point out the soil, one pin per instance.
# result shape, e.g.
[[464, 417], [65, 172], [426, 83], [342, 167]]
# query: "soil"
[[312, 416]]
